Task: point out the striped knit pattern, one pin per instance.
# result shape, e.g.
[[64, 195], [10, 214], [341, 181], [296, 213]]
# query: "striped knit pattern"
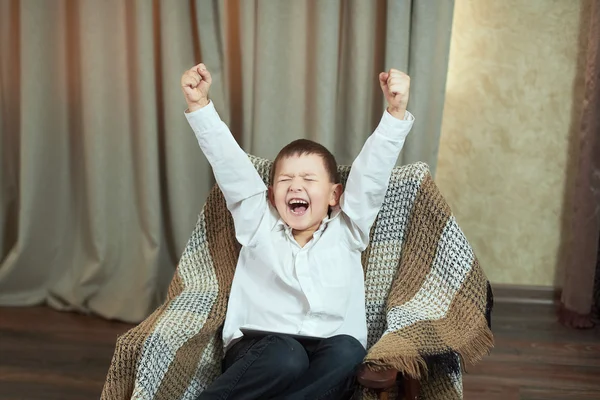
[[425, 300]]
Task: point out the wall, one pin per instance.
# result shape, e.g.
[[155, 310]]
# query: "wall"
[[511, 103]]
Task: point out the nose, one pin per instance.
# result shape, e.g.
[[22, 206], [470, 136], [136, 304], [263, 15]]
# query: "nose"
[[295, 186]]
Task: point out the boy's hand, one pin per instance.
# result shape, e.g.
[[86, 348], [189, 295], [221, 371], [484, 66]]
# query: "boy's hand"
[[395, 86], [195, 83]]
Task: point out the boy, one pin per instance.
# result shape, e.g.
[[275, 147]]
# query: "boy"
[[295, 326]]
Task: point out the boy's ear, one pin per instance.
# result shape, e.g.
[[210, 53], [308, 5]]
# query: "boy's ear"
[[338, 189], [271, 196]]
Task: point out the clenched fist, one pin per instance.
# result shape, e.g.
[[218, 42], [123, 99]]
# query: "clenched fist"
[[395, 86], [195, 83]]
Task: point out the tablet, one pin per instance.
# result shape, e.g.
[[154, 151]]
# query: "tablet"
[[258, 332]]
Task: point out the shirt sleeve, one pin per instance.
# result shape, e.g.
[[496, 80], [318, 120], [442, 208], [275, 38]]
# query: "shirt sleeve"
[[370, 174], [243, 188]]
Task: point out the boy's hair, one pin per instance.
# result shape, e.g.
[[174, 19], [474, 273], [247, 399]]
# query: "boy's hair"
[[305, 147]]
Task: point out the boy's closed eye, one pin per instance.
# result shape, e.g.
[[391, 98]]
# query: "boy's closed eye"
[[288, 179]]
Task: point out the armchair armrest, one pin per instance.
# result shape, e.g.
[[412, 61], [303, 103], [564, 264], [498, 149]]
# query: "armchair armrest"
[[382, 381], [378, 380]]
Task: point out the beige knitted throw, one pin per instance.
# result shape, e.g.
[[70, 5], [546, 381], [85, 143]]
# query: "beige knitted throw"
[[427, 300]]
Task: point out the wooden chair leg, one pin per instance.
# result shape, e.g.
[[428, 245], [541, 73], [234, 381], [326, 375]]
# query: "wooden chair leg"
[[411, 388]]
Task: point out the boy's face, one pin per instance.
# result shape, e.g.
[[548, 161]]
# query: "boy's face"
[[302, 191]]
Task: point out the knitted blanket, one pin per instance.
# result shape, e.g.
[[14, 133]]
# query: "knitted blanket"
[[428, 301]]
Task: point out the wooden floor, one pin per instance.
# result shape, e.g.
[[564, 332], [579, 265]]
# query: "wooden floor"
[[45, 354]]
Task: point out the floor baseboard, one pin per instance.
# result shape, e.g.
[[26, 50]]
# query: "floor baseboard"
[[524, 294]]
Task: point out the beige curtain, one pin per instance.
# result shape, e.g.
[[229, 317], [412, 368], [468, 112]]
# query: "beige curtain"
[[102, 179], [577, 294]]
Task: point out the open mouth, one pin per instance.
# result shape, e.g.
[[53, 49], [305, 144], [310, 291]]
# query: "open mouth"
[[298, 206]]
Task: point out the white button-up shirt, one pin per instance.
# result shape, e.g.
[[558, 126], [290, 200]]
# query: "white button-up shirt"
[[316, 290]]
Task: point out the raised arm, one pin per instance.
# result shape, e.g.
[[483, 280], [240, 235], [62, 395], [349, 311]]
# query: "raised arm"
[[244, 190], [370, 173]]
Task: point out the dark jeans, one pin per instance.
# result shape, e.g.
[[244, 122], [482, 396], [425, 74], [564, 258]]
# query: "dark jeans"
[[280, 367]]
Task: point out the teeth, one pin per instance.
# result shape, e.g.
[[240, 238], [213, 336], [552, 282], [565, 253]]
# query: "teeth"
[[298, 201]]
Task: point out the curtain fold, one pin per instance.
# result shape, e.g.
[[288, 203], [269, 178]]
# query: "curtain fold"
[[102, 180], [577, 294]]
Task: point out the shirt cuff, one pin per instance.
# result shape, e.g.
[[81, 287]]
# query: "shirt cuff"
[[394, 128], [389, 118], [204, 118]]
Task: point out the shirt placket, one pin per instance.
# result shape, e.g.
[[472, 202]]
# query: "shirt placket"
[[307, 283]]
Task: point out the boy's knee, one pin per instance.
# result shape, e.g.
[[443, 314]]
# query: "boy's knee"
[[348, 350], [289, 356]]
